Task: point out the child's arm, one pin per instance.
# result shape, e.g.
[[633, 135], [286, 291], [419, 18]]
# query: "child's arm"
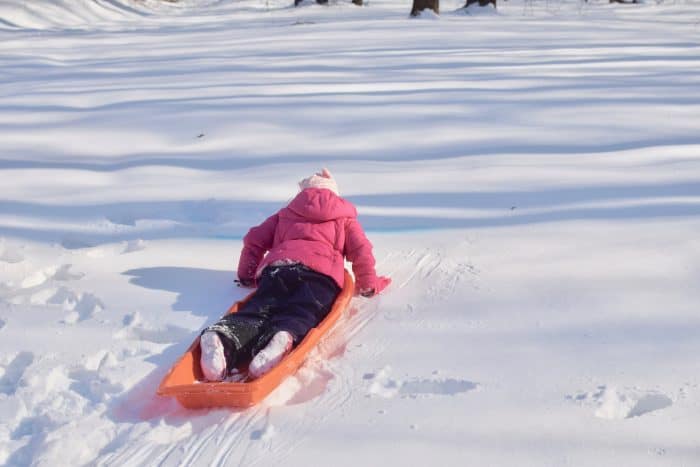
[[358, 250], [256, 243]]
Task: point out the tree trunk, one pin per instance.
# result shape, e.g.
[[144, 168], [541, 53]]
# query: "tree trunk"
[[420, 5], [480, 2]]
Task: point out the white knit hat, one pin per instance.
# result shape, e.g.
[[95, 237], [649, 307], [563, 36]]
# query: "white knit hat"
[[323, 179]]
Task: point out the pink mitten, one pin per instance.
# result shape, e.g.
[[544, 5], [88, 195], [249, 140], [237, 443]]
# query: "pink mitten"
[[381, 284]]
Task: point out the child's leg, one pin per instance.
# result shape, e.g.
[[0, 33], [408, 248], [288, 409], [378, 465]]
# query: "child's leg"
[[238, 333], [212, 359], [275, 350], [311, 297]]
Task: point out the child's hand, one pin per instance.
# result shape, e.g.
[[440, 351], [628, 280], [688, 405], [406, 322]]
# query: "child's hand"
[[381, 284], [247, 283]]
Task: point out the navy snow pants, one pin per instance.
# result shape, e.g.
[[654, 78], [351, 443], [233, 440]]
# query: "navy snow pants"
[[292, 298]]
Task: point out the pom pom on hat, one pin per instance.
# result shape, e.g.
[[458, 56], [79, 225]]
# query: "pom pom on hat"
[[323, 179]]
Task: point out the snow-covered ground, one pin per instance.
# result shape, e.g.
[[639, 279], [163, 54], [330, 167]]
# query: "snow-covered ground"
[[530, 179]]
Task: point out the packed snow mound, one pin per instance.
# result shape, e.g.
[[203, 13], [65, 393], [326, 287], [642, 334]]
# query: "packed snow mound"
[[62, 14], [46, 14]]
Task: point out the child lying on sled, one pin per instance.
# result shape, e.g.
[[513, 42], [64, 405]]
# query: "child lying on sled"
[[296, 258]]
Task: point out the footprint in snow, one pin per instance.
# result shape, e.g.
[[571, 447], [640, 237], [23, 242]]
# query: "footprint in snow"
[[63, 273], [37, 279], [135, 329], [75, 243], [81, 307], [11, 255], [133, 246], [42, 288], [93, 386], [14, 372], [613, 403], [437, 387], [382, 385]]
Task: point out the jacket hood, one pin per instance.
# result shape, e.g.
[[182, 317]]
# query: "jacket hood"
[[321, 205]]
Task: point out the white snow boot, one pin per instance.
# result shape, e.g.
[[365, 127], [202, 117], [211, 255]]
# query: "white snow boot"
[[271, 355], [213, 360]]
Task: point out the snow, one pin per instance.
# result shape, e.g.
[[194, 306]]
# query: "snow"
[[529, 176]]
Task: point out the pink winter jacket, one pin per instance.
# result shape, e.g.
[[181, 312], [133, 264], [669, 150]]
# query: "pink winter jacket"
[[318, 229]]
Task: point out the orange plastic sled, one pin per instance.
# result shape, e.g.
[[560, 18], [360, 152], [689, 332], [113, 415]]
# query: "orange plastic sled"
[[185, 380]]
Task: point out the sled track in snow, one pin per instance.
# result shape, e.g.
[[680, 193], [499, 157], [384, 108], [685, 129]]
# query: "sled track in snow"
[[213, 445], [324, 385], [225, 437]]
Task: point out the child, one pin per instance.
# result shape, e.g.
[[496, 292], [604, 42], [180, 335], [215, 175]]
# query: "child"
[[296, 258]]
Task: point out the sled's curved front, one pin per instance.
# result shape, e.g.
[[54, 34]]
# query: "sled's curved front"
[[185, 380]]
